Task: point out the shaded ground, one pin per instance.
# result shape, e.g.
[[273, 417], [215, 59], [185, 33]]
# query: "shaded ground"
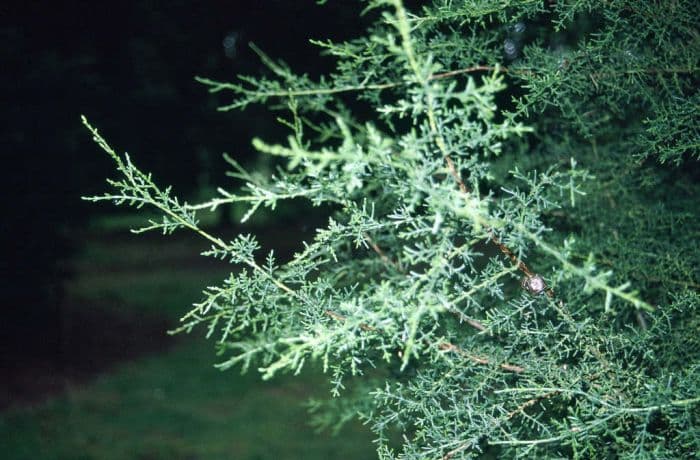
[[90, 340], [111, 309], [118, 387], [126, 292], [175, 405]]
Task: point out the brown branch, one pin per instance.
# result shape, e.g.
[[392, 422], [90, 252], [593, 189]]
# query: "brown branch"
[[462, 317], [218, 86], [453, 452], [342, 318], [529, 403], [479, 359], [508, 416], [379, 252], [522, 266], [472, 322], [476, 68], [455, 174], [446, 346]]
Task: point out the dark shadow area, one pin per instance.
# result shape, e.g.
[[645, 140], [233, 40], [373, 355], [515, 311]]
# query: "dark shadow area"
[[130, 67], [101, 319], [88, 340]]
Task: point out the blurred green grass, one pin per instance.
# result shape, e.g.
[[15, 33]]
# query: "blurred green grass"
[[150, 275], [175, 405], [171, 404]]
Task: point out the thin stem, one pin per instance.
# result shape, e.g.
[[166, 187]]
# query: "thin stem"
[[462, 317], [404, 29], [479, 359], [380, 253]]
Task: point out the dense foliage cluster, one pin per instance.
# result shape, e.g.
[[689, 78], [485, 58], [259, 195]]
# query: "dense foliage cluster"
[[511, 265]]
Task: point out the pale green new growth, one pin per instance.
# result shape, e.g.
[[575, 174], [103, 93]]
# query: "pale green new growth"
[[480, 173]]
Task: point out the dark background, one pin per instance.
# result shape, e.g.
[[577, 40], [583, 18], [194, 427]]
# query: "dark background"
[[129, 67]]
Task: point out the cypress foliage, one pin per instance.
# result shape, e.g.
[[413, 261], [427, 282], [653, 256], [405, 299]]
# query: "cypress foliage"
[[511, 268]]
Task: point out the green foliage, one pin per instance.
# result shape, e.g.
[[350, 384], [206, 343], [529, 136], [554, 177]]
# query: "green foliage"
[[507, 139]]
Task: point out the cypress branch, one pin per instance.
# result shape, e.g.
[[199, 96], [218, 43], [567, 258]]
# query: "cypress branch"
[[510, 269]]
